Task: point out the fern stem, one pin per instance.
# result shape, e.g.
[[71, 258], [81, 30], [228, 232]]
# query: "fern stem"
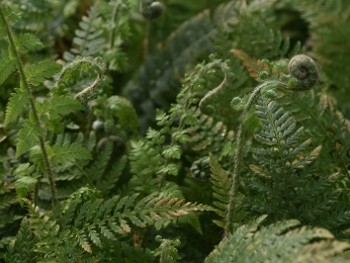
[[114, 20], [238, 153], [32, 104]]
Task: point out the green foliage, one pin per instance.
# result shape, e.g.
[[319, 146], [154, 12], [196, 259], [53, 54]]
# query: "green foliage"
[[327, 41], [28, 42], [27, 137], [220, 185], [167, 251], [88, 40], [25, 179], [284, 241], [16, 105], [37, 73], [286, 172], [7, 68], [135, 134]]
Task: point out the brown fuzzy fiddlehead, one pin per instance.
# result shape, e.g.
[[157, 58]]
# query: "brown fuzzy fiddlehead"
[[303, 73]]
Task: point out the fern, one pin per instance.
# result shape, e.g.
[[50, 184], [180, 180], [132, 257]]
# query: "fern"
[[37, 73], [87, 175], [101, 33], [22, 249], [179, 51], [16, 105], [25, 179], [167, 251], [286, 164], [7, 68], [102, 172], [327, 41], [220, 186], [27, 43], [27, 137], [89, 40], [94, 220], [265, 40], [68, 153], [284, 241]]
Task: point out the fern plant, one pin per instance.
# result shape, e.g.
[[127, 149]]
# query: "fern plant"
[[173, 131], [273, 244]]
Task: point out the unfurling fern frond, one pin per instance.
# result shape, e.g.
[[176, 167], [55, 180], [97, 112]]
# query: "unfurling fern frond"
[[284, 241], [80, 78]]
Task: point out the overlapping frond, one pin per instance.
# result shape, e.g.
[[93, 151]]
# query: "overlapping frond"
[[284, 241]]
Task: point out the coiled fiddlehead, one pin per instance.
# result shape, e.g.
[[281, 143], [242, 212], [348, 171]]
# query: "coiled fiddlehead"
[[303, 72]]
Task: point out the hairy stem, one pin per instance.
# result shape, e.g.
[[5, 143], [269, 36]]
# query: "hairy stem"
[[238, 154], [37, 121]]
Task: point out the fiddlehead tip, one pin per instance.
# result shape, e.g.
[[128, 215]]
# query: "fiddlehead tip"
[[303, 72]]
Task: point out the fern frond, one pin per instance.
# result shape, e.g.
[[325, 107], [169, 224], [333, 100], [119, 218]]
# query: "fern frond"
[[162, 211], [26, 178], [158, 79], [7, 67], [328, 33], [97, 168], [28, 137], [286, 172], [220, 186], [22, 249], [98, 219], [167, 250], [16, 105], [28, 42], [124, 111], [102, 172], [58, 106], [37, 73], [284, 241], [265, 41], [110, 179], [279, 131], [67, 153], [89, 39], [145, 161], [6, 195], [81, 76]]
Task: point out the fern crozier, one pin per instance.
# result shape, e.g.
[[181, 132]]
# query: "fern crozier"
[[303, 72]]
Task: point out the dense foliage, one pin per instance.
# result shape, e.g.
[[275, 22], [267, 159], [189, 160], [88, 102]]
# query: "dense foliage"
[[174, 131]]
